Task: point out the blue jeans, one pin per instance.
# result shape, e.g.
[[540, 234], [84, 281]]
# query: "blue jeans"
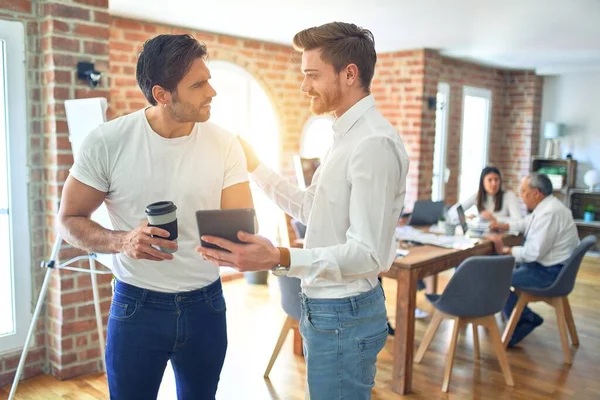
[[342, 338], [146, 329], [533, 275]]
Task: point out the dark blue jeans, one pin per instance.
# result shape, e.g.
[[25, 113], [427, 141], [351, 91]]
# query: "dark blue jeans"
[[533, 275], [146, 329]]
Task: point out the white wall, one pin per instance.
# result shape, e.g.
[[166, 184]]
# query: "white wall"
[[574, 99]]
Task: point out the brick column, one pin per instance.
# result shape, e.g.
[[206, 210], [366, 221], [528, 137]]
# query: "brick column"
[[71, 31], [522, 109], [403, 83]]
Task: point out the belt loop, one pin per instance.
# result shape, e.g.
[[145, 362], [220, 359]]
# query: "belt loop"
[[354, 306], [143, 298]]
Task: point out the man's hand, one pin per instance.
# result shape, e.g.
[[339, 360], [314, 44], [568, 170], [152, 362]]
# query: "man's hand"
[[138, 243], [498, 244], [252, 160], [256, 254], [497, 226]]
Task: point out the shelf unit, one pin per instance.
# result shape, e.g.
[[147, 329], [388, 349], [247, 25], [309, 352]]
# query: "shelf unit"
[[538, 162], [577, 200]]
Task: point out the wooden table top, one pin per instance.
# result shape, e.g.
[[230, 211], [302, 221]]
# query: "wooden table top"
[[418, 256]]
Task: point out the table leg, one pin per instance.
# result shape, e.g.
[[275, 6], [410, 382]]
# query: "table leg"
[[405, 331]]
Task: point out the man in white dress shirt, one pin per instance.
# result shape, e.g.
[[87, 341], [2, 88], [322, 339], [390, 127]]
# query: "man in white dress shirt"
[[550, 238], [351, 210]]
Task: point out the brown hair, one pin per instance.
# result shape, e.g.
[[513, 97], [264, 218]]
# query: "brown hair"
[[342, 44], [481, 193], [164, 60]]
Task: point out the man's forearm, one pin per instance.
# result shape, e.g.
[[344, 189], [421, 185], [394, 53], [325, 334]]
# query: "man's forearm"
[[85, 234]]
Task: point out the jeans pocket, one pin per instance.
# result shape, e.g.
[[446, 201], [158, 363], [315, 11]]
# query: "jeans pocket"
[[369, 348], [217, 302], [326, 323], [122, 307]]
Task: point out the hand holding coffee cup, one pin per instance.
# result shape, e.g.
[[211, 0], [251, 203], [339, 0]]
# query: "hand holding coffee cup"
[[162, 215], [140, 243]]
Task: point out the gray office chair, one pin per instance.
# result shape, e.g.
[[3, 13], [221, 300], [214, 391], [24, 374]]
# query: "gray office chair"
[[555, 295], [299, 228], [477, 290], [290, 301]]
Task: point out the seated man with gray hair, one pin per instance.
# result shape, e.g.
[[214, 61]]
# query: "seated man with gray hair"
[[550, 238]]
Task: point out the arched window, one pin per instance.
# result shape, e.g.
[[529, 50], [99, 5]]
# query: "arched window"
[[243, 108]]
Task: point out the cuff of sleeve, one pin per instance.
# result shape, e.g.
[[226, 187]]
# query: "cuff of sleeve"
[[517, 252], [299, 260], [87, 181], [235, 179]]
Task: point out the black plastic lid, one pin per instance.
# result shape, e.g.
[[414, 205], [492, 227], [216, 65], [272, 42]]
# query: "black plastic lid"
[[160, 208]]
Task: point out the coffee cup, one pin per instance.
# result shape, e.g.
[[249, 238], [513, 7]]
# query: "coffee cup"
[[162, 214]]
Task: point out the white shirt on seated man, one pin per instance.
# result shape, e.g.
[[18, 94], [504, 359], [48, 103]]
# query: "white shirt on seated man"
[[550, 238]]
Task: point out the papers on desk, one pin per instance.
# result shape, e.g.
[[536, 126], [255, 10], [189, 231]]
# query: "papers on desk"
[[410, 234]]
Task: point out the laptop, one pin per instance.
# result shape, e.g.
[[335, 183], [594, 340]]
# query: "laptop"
[[426, 212], [470, 231]]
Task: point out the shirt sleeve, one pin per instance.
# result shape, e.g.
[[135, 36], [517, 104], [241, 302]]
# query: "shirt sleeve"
[[91, 165], [377, 175], [235, 165], [289, 197], [540, 239]]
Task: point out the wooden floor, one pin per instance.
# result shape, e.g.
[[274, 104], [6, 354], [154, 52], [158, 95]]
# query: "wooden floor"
[[255, 318]]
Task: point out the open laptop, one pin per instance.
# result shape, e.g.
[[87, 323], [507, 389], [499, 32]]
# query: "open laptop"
[[426, 212]]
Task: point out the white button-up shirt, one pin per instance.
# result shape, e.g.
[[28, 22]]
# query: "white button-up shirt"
[[550, 234], [351, 208]]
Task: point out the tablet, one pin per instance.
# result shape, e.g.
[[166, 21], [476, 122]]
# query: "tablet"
[[224, 224]]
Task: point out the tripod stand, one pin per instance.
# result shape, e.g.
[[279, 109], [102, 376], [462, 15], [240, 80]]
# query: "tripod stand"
[[52, 265]]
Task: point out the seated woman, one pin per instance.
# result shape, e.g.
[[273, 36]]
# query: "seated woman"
[[493, 203]]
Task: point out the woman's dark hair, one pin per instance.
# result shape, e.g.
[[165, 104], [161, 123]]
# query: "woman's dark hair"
[[481, 192], [164, 60]]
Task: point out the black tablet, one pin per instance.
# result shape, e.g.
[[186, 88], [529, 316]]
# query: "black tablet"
[[224, 224]]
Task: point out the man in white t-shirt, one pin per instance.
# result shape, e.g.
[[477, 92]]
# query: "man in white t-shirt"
[[166, 306]]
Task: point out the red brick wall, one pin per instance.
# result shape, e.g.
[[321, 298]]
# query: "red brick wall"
[[70, 32], [523, 104], [403, 81], [459, 74]]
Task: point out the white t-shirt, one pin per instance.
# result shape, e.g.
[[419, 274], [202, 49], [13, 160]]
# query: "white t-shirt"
[[135, 167]]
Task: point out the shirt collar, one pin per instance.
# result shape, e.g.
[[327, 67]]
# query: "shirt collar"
[[342, 125], [544, 203]]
